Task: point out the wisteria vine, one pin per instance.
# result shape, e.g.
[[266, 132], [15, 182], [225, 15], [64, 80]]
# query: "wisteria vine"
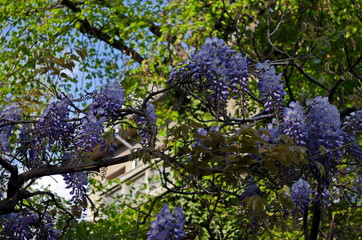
[[65, 137]]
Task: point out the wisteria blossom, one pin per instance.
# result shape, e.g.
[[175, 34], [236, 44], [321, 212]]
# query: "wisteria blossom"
[[20, 226], [167, 226], [142, 123], [8, 115], [300, 194], [217, 70], [295, 124], [271, 88]]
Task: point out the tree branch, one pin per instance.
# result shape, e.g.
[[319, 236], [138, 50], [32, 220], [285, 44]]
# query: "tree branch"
[[16, 194], [317, 213], [305, 224], [152, 27], [93, 166], [11, 168], [87, 28], [310, 78], [333, 90]]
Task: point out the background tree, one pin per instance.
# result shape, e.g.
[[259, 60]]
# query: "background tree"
[[315, 46]]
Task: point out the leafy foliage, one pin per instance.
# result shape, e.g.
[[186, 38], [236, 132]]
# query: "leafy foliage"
[[245, 139]]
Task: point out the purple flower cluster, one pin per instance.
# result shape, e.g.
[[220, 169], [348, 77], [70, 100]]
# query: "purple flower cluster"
[[18, 226], [90, 131], [77, 182], [295, 123], [53, 128], [300, 193], [105, 105], [238, 77], [318, 128], [108, 101], [48, 232], [142, 123], [56, 136], [27, 142], [274, 131], [8, 115], [353, 123], [216, 70], [325, 134], [26, 226], [167, 226], [271, 88]]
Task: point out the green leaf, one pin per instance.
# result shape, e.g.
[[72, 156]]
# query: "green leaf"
[[184, 150], [286, 201], [217, 158], [247, 159], [199, 136], [229, 149], [64, 75], [201, 149], [320, 167], [184, 129], [197, 125], [249, 149]]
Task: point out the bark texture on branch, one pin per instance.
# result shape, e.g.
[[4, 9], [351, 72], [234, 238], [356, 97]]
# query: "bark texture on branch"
[[87, 28]]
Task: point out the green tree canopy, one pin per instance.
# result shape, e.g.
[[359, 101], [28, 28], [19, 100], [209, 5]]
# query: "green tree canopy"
[[55, 47]]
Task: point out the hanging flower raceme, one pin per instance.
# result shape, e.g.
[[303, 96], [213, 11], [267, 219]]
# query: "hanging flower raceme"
[[8, 115], [77, 182], [167, 226], [271, 88], [48, 232], [27, 140], [53, 128], [238, 73], [90, 132], [217, 71], [21, 226], [105, 106], [108, 101], [142, 123], [300, 194], [322, 197], [325, 135], [295, 125]]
